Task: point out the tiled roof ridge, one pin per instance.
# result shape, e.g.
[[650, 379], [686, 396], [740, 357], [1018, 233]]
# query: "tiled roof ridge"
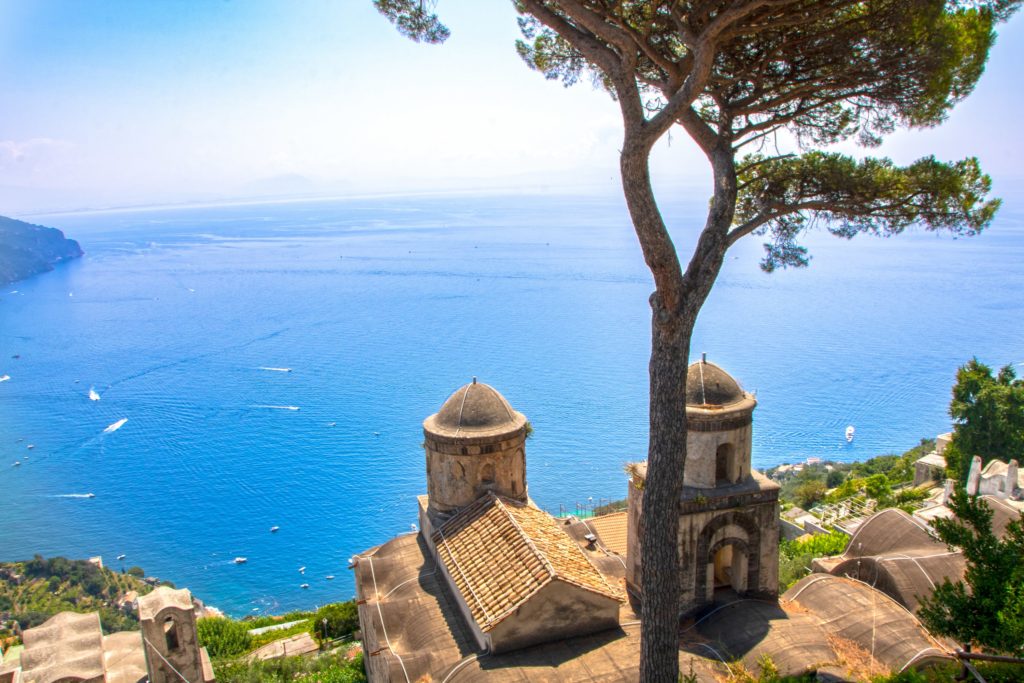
[[526, 537], [563, 576]]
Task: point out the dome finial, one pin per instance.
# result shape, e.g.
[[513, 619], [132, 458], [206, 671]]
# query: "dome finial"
[[474, 379], [704, 357]]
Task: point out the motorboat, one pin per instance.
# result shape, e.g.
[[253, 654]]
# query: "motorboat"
[[305, 585], [274, 529], [330, 577], [241, 560], [849, 433], [121, 557]]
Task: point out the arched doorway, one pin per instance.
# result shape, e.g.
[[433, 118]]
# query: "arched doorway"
[[729, 567]]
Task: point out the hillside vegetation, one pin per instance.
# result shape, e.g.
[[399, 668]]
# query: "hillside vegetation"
[[31, 592]]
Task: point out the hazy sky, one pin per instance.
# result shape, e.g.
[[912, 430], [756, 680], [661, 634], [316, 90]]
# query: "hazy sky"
[[119, 102]]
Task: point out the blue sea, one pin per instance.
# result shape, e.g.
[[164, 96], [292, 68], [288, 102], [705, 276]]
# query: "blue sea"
[[381, 308]]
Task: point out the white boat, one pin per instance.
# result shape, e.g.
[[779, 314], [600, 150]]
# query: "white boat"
[[302, 570], [121, 557], [305, 585], [90, 495], [849, 433], [17, 463], [114, 427], [330, 577], [4, 378], [241, 560], [274, 529], [93, 396]]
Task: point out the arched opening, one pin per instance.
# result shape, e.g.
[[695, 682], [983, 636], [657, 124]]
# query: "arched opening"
[[725, 466], [487, 474], [171, 634], [730, 568]]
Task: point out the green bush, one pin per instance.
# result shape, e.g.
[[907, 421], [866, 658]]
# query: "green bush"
[[342, 619], [328, 668], [795, 556], [224, 637]]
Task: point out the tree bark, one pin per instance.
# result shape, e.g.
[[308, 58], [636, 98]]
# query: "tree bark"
[[674, 307]]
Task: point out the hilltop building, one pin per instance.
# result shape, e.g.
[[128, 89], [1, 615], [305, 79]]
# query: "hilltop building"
[[71, 647]]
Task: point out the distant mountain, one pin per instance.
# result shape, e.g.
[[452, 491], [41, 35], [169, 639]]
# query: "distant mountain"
[[27, 249]]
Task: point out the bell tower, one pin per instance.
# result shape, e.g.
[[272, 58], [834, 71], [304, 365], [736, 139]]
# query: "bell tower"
[[169, 635], [728, 512]]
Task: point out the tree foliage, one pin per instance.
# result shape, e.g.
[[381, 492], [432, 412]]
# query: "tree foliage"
[[988, 417], [336, 620], [224, 637], [987, 607], [735, 74]]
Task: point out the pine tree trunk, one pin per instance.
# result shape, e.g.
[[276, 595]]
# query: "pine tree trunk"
[[675, 304], [660, 571]]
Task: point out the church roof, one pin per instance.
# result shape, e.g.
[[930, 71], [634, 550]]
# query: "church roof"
[[475, 409], [500, 552], [709, 385], [66, 645]]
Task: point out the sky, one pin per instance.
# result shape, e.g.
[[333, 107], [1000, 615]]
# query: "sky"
[[114, 103]]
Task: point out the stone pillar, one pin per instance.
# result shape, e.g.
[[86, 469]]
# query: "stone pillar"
[[974, 476], [1011, 478]]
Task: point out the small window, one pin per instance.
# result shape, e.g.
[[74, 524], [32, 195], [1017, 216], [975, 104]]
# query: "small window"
[[724, 464], [487, 474], [171, 634]]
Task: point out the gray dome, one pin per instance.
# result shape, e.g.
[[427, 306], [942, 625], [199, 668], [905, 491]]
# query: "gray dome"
[[709, 385], [475, 409]]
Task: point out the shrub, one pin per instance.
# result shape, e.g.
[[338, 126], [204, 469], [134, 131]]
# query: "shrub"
[[224, 637], [342, 619]]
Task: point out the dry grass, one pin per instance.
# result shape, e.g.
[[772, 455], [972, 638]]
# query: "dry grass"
[[859, 663]]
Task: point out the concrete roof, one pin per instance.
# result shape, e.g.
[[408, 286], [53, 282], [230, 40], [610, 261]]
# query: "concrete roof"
[[65, 645], [475, 410], [891, 530], [500, 552], [124, 658], [1000, 468], [151, 604], [933, 459], [854, 611]]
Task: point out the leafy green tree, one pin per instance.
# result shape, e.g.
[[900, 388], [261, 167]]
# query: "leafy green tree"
[[734, 74], [988, 415], [987, 607], [336, 620], [877, 486], [810, 493]]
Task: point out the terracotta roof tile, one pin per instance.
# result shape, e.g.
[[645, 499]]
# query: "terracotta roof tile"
[[499, 552]]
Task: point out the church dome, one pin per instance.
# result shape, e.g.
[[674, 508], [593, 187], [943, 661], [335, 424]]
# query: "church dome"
[[475, 409], [709, 385]]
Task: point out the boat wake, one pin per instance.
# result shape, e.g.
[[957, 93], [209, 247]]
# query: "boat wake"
[[269, 407], [75, 495], [114, 427], [268, 369]]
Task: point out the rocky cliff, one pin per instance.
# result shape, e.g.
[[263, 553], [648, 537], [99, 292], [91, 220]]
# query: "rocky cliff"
[[27, 249]]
